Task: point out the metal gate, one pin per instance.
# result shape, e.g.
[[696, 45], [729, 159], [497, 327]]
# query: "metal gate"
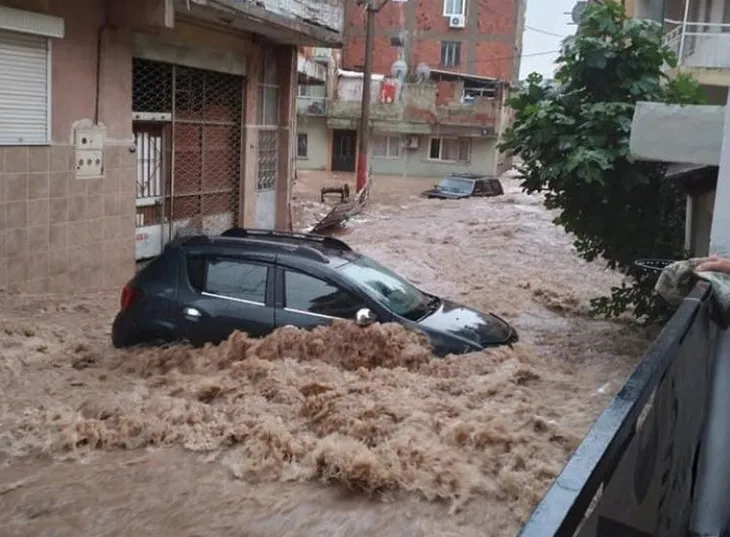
[[268, 144], [201, 158], [149, 140]]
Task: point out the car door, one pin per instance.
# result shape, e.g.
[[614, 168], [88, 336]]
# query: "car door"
[[227, 293], [307, 301]]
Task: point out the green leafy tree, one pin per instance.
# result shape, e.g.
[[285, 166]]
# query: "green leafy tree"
[[573, 137]]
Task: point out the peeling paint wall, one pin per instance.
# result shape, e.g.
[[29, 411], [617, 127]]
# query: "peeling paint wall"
[[420, 103], [326, 13]]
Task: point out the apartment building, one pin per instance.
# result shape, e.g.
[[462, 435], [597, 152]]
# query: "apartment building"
[[123, 122], [442, 71]]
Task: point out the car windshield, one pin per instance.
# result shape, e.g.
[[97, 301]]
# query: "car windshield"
[[456, 185], [389, 289]]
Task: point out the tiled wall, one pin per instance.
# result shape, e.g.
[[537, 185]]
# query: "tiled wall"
[[59, 233]]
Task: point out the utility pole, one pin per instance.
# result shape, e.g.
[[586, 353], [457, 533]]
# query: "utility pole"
[[363, 138]]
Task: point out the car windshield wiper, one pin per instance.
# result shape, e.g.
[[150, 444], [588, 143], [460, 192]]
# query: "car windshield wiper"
[[433, 303]]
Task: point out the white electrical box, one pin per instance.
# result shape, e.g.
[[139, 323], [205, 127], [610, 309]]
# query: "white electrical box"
[[89, 143]]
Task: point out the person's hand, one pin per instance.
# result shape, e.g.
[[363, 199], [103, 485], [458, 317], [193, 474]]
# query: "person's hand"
[[714, 263]]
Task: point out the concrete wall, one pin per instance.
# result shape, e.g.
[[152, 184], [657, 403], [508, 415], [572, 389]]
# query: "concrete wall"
[[318, 135], [415, 162]]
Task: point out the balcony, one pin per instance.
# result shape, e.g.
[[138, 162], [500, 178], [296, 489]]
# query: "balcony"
[[699, 44], [292, 22], [415, 108], [311, 106]]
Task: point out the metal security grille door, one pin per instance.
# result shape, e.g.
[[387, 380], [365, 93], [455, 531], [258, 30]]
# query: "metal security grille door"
[[24, 89], [268, 144], [202, 112], [149, 142]]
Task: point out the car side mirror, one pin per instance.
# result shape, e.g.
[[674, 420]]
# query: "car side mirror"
[[364, 317]]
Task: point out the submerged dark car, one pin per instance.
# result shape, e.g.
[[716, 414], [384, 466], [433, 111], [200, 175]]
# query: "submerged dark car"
[[465, 186], [203, 288]]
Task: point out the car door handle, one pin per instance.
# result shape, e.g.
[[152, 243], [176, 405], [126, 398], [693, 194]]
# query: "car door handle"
[[192, 314]]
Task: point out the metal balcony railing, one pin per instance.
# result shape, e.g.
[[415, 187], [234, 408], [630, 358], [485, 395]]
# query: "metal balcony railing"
[[634, 473], [699, 44], [311, 106]]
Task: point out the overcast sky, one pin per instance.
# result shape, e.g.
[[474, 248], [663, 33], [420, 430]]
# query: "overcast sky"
[[546, 16]]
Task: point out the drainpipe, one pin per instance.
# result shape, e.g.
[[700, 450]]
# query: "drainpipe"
[[711, 508]]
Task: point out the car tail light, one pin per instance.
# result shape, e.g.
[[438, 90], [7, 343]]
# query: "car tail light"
[[129, 296]]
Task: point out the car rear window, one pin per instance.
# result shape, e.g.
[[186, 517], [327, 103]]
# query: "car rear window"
[[233, 278]]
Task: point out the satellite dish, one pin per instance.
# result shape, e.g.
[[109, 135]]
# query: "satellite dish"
[[399, 69], [423, 71], [577, 12]]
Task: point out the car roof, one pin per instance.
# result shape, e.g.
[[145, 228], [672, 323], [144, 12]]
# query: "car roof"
[[466, 175], [297, 247]]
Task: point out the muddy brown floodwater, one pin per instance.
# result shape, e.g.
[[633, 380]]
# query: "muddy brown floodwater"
[[337, 432]]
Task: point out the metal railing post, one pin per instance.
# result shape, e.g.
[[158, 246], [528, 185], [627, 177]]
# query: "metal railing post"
[[684, 32]]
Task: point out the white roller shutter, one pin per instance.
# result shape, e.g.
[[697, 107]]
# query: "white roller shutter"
[[24, 89]]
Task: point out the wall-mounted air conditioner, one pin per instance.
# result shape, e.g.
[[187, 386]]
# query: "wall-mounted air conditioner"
[[410, 142], [457, 21]]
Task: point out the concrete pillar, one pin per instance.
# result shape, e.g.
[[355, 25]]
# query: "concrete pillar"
[[720, 236], [249, 152], [287, 79], [711, 510]]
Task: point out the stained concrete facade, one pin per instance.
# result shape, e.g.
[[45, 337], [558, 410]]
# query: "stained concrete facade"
[[318, 140]]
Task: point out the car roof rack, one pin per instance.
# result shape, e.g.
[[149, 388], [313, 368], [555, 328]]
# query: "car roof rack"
[[253, 233], [467, 175], [299, 249]]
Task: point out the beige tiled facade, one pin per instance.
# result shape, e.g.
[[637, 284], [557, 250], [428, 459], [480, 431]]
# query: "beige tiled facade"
[[61, 233]]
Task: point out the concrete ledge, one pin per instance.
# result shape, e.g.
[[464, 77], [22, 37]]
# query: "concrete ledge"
[[674, 133]]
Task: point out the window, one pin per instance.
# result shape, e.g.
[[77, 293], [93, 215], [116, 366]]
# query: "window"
[[24, 89], [450, 53], [307, 294], [389, 289], [386, 146], [454, 8], [236, 279], [450, 149], [302, 145]]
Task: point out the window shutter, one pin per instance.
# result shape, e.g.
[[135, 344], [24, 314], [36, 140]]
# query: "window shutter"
[[24, 89]]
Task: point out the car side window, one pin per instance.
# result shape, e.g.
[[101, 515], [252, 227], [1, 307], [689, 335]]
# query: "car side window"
[[196, 272], [233, 278], [308, 294]]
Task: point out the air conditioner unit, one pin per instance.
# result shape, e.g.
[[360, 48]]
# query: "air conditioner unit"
[[410, 142], [457, 21]]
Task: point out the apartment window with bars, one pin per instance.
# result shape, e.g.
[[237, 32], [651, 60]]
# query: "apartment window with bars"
[[302, 145], [450, 150], [450, 53], [386, 146], [454, 8]]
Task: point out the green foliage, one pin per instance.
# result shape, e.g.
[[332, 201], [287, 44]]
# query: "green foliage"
[[574, 141]]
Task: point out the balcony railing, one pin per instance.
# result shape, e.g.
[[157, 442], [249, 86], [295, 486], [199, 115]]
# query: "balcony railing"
[[311, 106], [699, 44]]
